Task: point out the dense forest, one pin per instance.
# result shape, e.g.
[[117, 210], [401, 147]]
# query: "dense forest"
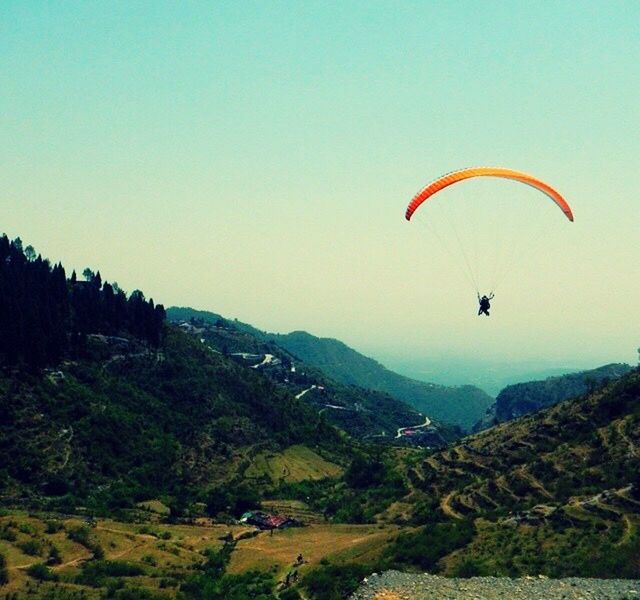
[[44, 316], [132, 407]]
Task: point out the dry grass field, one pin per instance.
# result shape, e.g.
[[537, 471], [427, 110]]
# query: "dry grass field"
[[339, 543], [159, 548], [164, 549]]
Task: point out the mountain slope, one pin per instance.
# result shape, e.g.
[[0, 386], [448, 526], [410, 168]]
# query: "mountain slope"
[[457, 405], [103, 403], [462, 405], [524, 398], [154, 422], [361, 412], [555, 492]]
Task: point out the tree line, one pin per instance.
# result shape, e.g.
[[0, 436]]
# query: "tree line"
[[45, 316]]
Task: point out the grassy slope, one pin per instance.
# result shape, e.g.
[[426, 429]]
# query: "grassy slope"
[[296, 463]]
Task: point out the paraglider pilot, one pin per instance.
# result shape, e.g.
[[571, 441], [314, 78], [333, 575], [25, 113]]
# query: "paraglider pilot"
[[485, 304]]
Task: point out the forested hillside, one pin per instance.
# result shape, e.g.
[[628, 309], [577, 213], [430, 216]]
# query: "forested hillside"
[[167, 421], [523, 398], [361, 412], [462, 405], [44, 316], [104, 404]]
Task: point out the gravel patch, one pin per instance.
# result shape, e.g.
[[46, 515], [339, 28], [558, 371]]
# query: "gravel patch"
[[394, 585]]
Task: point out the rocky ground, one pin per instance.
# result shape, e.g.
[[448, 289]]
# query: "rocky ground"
[[393, 585]]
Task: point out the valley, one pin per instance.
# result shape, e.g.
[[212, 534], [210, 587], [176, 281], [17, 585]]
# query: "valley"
[[159, 458]]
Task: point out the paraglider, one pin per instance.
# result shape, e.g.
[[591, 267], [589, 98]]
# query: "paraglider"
[[456, 176], [428, 192], [485, 304]]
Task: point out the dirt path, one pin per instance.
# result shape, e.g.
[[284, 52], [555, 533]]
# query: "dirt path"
[[447, 509]]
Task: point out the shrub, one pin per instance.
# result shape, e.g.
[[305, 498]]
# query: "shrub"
[[80, 535], [8, 534], [4, 572], [334, 582], [26, 528], [41, 572], [289, 594], [426, 547], [53, 527], [54, 556], [31, 547], [467, 568], [137, 594], [97, 572]]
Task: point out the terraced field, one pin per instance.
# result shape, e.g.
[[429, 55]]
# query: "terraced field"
[[557, 492], [562, 456], [296, 463]]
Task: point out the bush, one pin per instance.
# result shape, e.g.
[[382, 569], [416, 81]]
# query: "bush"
[[334, 582], [53, 527], [246, 586], [97, 572], [4, 572], [425, 548], [31, 547], [467, 568], [54, 556], [137, 594], [26, 528], [80, 535], [289, 594], [41, 572], [98, 552], [8, 534]]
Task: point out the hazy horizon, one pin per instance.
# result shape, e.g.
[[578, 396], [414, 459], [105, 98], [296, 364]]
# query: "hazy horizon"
[[256, 161]]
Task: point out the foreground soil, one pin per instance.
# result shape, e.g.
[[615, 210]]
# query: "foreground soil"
[[393, 585]]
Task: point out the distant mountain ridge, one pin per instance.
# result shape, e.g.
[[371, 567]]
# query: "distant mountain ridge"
[[361, 412], [524, 398], [461, 405]]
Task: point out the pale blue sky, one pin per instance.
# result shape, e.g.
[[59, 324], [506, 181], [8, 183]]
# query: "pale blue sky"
[[256, 158]]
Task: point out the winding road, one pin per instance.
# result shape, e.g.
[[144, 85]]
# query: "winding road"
[[427, 422]]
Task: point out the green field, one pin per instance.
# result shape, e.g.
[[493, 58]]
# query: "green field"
[[296, 463]]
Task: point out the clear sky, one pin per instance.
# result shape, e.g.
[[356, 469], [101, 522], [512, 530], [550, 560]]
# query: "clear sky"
[[256, 159]]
